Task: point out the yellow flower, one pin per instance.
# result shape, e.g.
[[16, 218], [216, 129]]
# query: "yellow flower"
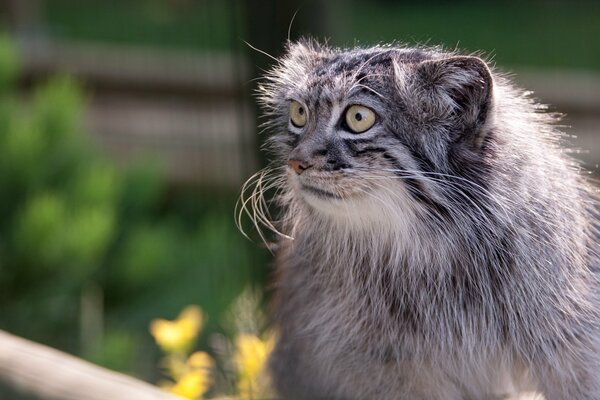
[[193, 376], [179, 335], [250, 358], [200, 360], [193, 384]]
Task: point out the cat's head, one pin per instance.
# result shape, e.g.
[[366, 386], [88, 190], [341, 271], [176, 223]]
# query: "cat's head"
[[366, 131]]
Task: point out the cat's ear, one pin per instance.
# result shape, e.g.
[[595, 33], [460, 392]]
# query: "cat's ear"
[[461, 86]]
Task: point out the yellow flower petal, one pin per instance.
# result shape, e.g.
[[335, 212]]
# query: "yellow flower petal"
[[192, 385], [168, 335], [175, 365], [179, 335], [250, 358], [200, 360], [192, 315], [250, 355]]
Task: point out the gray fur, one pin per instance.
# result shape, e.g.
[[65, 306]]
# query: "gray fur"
[[446, 253]]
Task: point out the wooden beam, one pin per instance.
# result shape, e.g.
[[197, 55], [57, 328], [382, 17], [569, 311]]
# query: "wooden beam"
[[134, 68], [45, 373]]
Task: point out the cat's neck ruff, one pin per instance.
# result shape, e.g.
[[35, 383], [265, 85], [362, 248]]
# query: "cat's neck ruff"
[[384, 227]]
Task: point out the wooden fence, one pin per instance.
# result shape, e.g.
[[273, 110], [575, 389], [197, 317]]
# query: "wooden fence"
[[192, 110]]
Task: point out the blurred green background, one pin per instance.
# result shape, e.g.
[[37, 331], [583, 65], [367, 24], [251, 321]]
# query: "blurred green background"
[[127, 128]]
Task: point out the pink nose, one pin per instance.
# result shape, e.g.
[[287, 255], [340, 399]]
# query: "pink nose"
[[299, 166]]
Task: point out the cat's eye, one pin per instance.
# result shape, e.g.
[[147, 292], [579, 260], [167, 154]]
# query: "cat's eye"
[[298, 114], [359, 118]]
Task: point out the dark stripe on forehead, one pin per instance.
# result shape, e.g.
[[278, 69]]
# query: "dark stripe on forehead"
[[350, 62], [324, 102], [318, 92]]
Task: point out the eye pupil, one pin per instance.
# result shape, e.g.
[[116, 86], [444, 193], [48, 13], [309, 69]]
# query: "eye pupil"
[[358, 116], [301, 111]]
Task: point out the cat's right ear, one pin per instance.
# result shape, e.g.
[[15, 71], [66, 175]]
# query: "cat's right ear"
[[460, 88], [465, 82]]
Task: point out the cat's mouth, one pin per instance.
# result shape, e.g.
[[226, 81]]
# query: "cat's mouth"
[[316, 191], [324, 186]]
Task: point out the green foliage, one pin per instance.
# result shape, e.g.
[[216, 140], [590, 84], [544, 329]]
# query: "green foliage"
[[58, 208], [70, 219], [9, 63], [116, 351], [145, 255], [56, 112]]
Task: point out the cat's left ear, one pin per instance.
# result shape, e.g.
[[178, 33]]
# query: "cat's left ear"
[[462, 86]]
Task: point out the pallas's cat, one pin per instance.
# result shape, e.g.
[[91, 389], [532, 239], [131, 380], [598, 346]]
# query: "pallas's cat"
[[436, 242]]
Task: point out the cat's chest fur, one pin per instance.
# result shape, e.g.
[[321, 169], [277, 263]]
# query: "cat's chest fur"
[[377, 312]]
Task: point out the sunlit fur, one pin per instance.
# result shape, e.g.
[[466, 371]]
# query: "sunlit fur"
[[452, 254]]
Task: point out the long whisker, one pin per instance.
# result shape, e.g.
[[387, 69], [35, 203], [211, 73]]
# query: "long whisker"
[[240, 204], [458, 189], [261, 51], [358, 84], [260, 204], [291, 23], [364, 64], [370, 89], [252, 202], [426, 175], [490, 234]]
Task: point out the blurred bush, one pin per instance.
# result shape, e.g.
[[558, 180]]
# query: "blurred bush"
[[89, 253]]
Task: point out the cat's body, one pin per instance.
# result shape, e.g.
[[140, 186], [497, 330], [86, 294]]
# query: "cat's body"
[[445, 252]]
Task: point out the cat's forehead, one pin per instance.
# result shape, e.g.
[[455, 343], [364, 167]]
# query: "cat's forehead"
[[352, 62], [334, 74], [363, 61]]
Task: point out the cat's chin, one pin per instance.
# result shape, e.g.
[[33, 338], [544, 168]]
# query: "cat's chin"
[[321, 193], [329, 199], [351, 200], [358, 212], [324, 186], [325, 201], [358, 209]]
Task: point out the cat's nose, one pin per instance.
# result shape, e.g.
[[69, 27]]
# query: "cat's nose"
[[298, 165]]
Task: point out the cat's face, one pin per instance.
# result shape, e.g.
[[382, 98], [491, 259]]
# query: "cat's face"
[[364, 127]]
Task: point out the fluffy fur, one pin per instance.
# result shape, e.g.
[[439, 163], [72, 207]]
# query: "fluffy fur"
[[448, 252]]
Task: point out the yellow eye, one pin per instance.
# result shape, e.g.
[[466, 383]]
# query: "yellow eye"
[[359, 118], [298, 114]]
